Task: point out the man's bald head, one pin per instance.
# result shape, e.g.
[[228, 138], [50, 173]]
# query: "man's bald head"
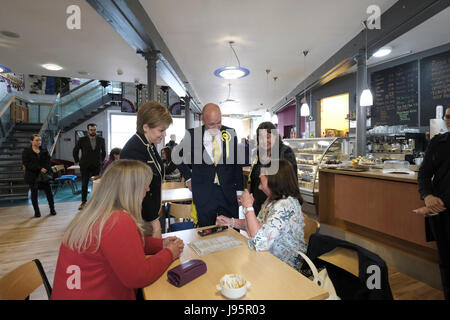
[[211, 117]]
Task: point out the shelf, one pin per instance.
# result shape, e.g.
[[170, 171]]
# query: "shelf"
[[305, 164], [311, 153]]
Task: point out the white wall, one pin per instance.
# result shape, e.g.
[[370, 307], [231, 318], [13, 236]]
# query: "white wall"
[[66, 142]]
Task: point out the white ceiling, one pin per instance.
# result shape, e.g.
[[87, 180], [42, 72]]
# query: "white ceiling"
[[44, 38], [268, 34]]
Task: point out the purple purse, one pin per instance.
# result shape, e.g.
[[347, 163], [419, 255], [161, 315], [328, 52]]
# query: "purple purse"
[[186, 272]]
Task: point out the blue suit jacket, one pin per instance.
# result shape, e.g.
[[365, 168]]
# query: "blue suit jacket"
[[198, 166]]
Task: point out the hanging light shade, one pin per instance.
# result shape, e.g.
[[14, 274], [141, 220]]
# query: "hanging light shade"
[[304, 110], [232, 72], [4, 69], [267, 116], [366, 99], [275, 119]]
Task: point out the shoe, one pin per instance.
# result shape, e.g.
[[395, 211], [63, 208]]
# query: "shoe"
[[82, 205], [52, 211], [37, 215]]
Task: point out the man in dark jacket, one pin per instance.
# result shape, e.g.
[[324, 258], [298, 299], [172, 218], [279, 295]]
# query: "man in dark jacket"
[[92, 155], [215, 175], [434, 189]]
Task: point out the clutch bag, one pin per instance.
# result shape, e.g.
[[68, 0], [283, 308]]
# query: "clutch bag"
[[186, 272]]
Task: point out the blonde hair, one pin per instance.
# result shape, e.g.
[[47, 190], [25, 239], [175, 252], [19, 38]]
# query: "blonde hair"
[[152, 114], [120, 189]]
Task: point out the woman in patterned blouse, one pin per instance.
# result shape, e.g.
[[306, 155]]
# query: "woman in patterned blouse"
[[279, 225]]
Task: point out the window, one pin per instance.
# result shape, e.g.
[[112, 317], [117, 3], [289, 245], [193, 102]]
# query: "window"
[[123, 126], [177, 128]]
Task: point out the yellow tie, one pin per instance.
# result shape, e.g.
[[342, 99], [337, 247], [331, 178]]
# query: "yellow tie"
[[216, 155]]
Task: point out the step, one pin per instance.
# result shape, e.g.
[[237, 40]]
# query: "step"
[[10, 151], [16, 194], [3, 180], [14, 186], [9, 165]]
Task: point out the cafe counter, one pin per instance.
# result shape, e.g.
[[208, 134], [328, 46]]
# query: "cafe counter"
[[377, 206]]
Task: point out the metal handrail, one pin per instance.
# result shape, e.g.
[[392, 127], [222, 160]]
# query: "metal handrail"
[[79, 87], [52, 149]]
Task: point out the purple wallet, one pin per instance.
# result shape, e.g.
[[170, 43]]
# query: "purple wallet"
[[186, 272]]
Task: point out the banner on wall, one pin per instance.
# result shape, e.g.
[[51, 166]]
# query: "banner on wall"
[[14, 81], [48, 85]]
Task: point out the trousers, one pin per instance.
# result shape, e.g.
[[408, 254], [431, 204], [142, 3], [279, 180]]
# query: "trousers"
[[440, 227], [34, 196], [86, 174]]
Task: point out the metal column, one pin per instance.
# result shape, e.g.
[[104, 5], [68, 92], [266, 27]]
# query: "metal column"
[[151, 58], [298, 120], [187, 113], [361, 117]]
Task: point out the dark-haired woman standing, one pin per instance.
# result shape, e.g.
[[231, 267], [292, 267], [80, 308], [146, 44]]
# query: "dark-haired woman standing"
[[36, 160]]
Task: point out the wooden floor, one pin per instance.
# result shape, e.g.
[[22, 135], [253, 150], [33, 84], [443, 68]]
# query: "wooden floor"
[[23, 238]]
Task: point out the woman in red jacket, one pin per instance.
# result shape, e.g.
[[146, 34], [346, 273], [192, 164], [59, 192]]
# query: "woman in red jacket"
[[103, 252]]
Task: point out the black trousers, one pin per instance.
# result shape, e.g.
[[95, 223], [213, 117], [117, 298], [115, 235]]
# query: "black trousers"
[[34, 196], [218, 205], [86, 174], [440, 227]]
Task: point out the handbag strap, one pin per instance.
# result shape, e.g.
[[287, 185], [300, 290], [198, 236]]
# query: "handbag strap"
[[311, 266]]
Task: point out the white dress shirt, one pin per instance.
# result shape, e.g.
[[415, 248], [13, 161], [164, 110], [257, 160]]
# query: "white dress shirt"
[[208, 144]]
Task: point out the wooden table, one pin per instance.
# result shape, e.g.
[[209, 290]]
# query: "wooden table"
[[179, 194], [271, 278]]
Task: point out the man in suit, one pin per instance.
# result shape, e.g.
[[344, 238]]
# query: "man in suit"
[[92, 155], [210, 167]]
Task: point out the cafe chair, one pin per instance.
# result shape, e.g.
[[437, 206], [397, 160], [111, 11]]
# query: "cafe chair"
[[311, 226], [62, 179], [183, 212], [19, 283], [356, 273]]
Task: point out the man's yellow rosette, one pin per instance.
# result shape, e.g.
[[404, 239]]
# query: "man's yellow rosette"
[[226, 136]]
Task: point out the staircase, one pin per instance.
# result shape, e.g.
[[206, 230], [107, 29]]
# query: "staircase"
[[12, 184]]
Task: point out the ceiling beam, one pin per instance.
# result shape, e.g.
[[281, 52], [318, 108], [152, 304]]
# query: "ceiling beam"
[[403, 16], [130, 20]]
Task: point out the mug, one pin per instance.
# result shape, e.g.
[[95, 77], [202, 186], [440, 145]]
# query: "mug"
[[418, 161]]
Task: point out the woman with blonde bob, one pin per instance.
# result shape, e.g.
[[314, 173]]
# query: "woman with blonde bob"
[[103, 252]]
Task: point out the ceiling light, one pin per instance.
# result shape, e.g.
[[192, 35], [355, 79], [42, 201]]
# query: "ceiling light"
[[366, 99], [9, 34], [304, 110], [228, 101], [4, 69], [232, 72], [382, 52], [52, 67]]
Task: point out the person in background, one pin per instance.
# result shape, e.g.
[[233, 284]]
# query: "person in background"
[[93, 152], [278, 228], [214, 182], [36, 161], [105, 243], [171, 171], [434, 188], [113, 156], [153, 119], [172, 142], [266, 135]]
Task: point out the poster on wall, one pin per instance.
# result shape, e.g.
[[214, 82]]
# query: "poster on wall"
[[15, 82], [37, 84]]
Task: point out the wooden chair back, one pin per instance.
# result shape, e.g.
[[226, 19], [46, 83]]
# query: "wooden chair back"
[[343, 258], [172, 185], [180, 211], [19, 283], [311, 226]]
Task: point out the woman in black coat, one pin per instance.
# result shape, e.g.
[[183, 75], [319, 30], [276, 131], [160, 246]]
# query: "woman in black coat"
[[36, 160], [268, 134]]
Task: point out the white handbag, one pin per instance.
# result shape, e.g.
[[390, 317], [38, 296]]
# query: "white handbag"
[[321, 278]]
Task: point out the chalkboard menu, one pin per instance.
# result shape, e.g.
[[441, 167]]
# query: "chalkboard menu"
[[396, 96], [435, 85]]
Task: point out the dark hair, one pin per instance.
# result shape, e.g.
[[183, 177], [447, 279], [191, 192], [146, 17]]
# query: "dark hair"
[[168, 152], [268, 126], [284, 183], [113, 152], [34, 136], [91, 125]]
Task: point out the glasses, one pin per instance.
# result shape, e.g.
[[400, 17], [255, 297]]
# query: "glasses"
[[447, 117]]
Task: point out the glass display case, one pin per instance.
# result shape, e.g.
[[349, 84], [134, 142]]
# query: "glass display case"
[[311, 153]]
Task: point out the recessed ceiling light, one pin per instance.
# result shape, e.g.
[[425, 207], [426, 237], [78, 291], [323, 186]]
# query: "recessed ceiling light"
[[9, 34], [382, 52], [52, 67]]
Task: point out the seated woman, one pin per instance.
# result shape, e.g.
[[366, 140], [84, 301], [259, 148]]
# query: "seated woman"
[[279, 225], [113, 156], [103, 251], [171, 171]]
